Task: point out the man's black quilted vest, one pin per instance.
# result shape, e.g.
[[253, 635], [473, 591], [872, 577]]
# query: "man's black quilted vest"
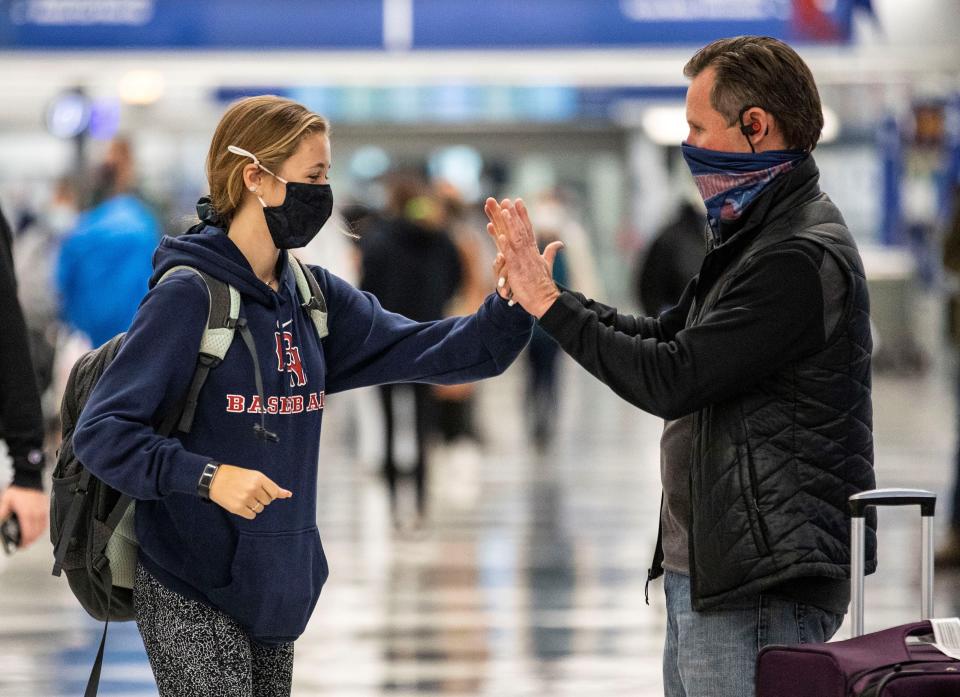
[[773, 467]]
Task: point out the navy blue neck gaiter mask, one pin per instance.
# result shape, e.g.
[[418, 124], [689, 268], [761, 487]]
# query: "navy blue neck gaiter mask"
[[730, 181]]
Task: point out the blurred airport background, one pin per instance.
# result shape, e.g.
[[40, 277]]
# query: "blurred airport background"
[[524, 572]]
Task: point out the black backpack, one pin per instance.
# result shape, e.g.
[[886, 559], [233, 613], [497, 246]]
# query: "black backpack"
[[91, 523]]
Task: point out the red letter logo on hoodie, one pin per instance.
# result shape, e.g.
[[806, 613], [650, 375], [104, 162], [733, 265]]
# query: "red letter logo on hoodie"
[[286, 350]]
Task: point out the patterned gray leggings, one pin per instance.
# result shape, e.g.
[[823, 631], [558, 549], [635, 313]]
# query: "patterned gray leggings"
[[197, 651]]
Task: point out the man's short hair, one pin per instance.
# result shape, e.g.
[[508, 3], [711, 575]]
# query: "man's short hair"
[[763, 72]]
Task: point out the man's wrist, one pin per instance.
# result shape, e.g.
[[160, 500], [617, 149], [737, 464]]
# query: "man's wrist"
[[549, 298], [206, 480]]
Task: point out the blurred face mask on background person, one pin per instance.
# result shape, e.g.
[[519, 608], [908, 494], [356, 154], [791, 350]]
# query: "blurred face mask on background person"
[[305, 209], [61, 219]]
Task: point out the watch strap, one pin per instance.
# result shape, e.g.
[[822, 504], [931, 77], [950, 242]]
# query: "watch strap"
[[206, 479]]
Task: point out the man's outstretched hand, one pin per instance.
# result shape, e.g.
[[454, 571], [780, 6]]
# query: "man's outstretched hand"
[[527, 275]]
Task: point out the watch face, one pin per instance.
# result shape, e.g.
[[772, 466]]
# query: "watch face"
[[35, 457]]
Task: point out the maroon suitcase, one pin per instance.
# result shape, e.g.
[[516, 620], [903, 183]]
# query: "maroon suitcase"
[[881, 664]]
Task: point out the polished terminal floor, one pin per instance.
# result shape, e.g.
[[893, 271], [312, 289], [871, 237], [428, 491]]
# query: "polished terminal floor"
[[528, 578]]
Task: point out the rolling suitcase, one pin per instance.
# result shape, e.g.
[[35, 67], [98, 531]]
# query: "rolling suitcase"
[[895, 662]]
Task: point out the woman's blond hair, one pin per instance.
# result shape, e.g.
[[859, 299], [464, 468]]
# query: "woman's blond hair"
[[268, 126]]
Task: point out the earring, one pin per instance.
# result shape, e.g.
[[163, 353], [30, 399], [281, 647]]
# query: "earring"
[[252, 188]]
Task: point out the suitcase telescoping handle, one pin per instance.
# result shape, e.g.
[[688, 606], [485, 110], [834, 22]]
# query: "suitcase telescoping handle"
[[859, 503]]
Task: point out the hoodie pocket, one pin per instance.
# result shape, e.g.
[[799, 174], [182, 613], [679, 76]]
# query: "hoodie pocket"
[[276, 581]]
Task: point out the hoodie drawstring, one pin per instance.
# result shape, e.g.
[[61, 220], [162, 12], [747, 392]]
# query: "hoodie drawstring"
[[261, 428]]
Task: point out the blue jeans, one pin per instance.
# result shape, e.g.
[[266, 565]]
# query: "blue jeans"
[[714, 653]]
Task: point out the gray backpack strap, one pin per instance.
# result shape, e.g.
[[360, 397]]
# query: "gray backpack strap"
[[310, 294], [221, 325]]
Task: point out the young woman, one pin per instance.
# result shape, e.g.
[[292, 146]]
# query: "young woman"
[[223, 590]]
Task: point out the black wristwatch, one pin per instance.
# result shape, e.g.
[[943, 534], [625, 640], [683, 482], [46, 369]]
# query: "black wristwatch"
[[206, 479]]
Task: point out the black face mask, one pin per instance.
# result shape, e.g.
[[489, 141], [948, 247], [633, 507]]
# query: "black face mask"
[[305, 209], [296, 221]]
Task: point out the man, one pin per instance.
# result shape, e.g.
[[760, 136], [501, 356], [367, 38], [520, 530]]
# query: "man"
[[762, 372], [21, 421], [673, 257]]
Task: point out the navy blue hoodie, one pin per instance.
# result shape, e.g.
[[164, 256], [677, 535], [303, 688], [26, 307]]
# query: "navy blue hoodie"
[[266, 573]]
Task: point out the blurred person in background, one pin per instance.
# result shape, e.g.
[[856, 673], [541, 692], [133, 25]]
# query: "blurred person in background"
[[410, 264], [761, 371], [541, 395], [455, 417], [674, 256], [35, 251], [458, 450], [105, 261], [21, 418], [557, 218], [948, 555], [558, 209], [230, 559]]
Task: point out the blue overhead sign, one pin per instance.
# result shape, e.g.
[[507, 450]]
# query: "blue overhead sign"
[[622, 23], [204, 24], [411, 24]]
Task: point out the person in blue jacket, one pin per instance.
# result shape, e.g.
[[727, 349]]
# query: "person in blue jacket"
[[223, 590], [104, 263]]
